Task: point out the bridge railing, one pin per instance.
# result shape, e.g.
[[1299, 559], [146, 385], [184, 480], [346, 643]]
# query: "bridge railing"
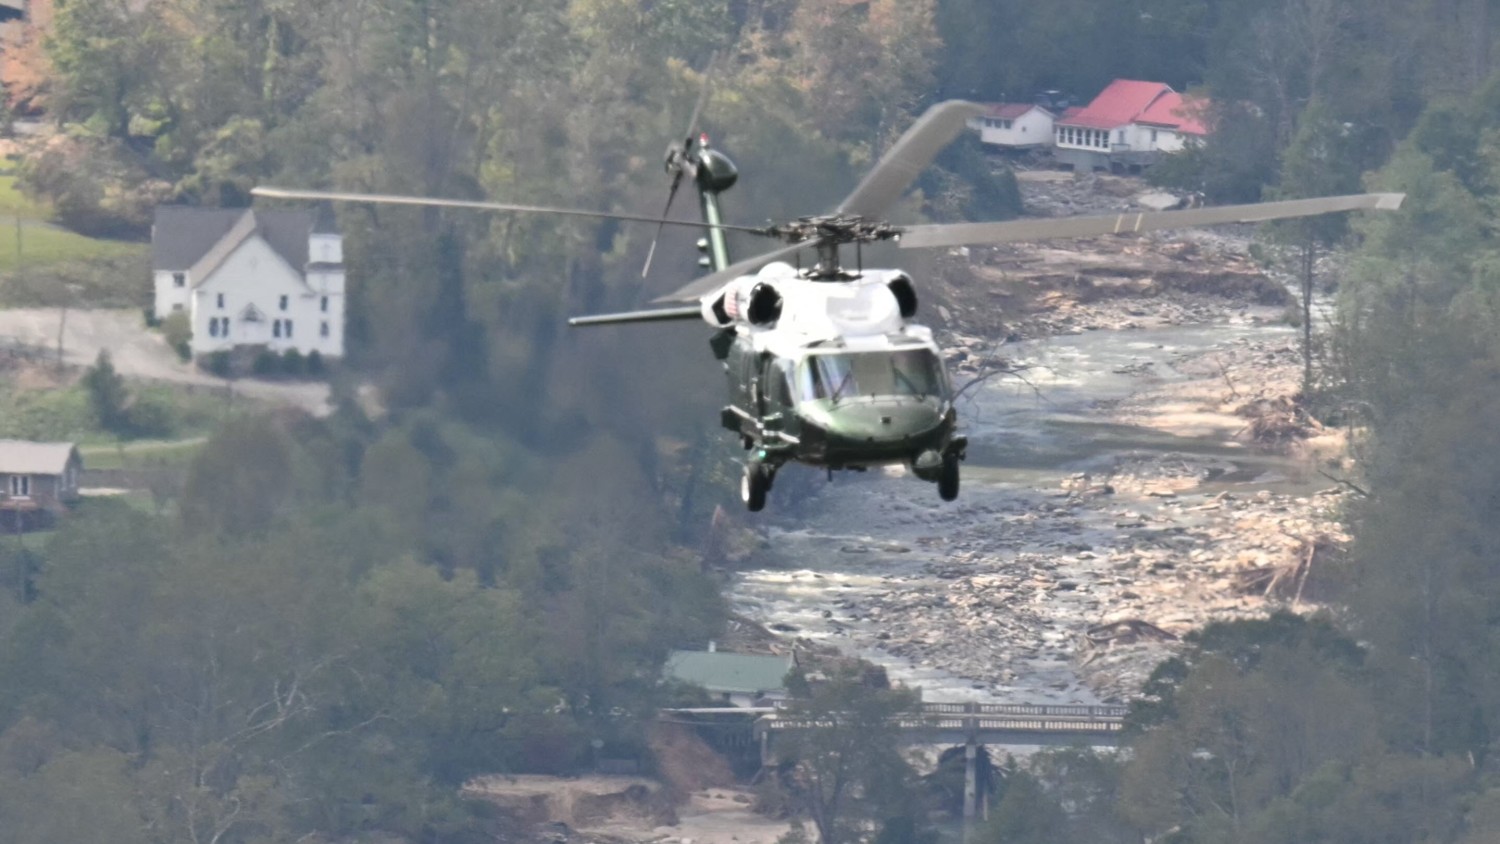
[[1027, 709], [975, 718]]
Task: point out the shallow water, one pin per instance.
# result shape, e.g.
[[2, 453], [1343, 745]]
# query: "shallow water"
[[871, 534]]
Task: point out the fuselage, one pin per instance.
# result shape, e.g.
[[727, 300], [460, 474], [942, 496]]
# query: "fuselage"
[[832, 373]]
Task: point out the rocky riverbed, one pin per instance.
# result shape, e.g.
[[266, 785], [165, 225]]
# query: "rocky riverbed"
[[1147, 477]]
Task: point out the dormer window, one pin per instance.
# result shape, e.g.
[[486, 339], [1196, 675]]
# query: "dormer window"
[[179, 279]]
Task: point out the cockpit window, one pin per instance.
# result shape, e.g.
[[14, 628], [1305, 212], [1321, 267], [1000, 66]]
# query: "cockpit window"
[[908, 372]]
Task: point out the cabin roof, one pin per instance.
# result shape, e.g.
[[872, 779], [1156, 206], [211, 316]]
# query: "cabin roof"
[[1185, 114], [1010, 111], [719, 671], [1119, 104], [23, 457], [183, 236]]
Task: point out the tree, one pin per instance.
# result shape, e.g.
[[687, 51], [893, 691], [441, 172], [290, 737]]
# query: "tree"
[[242, 482], [1320, 161], [849, 774], [107, 395]]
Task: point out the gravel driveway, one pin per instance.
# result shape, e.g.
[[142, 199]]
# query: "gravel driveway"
[[138, 352]]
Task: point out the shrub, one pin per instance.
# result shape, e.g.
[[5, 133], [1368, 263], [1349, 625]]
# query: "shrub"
[[266, 363], [315, 362], [217, 363], [150, 415], [178, 332], [292, 362]]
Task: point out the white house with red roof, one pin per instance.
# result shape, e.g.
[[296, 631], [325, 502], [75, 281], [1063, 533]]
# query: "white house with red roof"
[[1127, 126], [1014, 125]]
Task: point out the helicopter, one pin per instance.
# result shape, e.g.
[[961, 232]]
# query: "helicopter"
[[824, 363]]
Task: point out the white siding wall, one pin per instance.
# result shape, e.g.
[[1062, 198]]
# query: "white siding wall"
[[1034, 128], [170, 297], [255, 275]]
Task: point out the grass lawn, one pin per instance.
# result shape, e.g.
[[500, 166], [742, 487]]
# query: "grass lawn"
[[180, 417], [140, 453], [54, 266]]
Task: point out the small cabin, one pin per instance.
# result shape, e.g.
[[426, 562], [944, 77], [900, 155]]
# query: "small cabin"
[[38, 482], [738, 679]]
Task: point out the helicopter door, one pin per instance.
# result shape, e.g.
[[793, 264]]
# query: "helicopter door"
[[776, 383]]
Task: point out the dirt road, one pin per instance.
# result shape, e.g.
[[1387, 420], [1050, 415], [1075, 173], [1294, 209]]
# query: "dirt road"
[[137, 352]]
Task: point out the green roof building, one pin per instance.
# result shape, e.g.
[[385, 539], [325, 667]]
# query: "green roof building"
[[741, 679]]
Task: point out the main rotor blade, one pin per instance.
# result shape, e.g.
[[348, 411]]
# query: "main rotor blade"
[[397, 199], [657, 315], [713, 281], [960, 234], [908, 157], [708, 78]]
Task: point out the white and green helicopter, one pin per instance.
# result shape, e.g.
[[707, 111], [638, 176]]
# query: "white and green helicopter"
[[824, 363]]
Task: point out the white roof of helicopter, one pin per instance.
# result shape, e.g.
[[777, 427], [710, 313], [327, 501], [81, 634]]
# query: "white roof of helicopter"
[[860, 314]]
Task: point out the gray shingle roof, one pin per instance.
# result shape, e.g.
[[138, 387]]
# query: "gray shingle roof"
[[23, 457], [729, 672], [182, 236]]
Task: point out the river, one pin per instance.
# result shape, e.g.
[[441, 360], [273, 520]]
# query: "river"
[[986, 598]]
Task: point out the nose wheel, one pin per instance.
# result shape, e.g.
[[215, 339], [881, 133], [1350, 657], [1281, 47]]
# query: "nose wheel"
[[754, 485]]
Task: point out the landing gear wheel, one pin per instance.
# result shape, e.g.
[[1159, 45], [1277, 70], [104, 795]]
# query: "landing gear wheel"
[[753, 486], [948, 478]]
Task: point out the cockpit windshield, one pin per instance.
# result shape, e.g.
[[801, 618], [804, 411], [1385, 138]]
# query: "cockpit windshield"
[[842, 375]]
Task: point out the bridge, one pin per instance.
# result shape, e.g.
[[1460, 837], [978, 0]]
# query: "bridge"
[[982, 723], [967, 724]]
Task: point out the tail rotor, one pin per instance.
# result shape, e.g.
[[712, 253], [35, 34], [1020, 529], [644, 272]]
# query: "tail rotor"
[[680, 158]]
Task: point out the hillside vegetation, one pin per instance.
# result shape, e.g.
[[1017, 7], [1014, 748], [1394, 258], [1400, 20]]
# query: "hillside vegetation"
[[342, 619]]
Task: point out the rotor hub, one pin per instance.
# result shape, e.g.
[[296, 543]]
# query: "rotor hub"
[[835, 229]]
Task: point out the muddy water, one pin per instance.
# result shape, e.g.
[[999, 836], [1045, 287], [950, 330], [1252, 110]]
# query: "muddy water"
[[984, 598]]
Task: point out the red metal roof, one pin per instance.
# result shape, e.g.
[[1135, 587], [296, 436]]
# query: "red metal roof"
[[1118, 105], [1009, 111], [1185, 114]]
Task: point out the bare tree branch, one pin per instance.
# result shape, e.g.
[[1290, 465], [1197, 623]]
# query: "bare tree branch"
[[1348, 483]]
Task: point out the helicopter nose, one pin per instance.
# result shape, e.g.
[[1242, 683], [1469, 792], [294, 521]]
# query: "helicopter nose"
[[882, 420]]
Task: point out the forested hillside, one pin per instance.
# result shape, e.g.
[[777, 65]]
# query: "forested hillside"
[[340, 620]]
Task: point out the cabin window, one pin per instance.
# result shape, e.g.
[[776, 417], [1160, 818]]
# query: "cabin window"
[[835, 376], [284, 302], [179, 279], [20, 486]]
